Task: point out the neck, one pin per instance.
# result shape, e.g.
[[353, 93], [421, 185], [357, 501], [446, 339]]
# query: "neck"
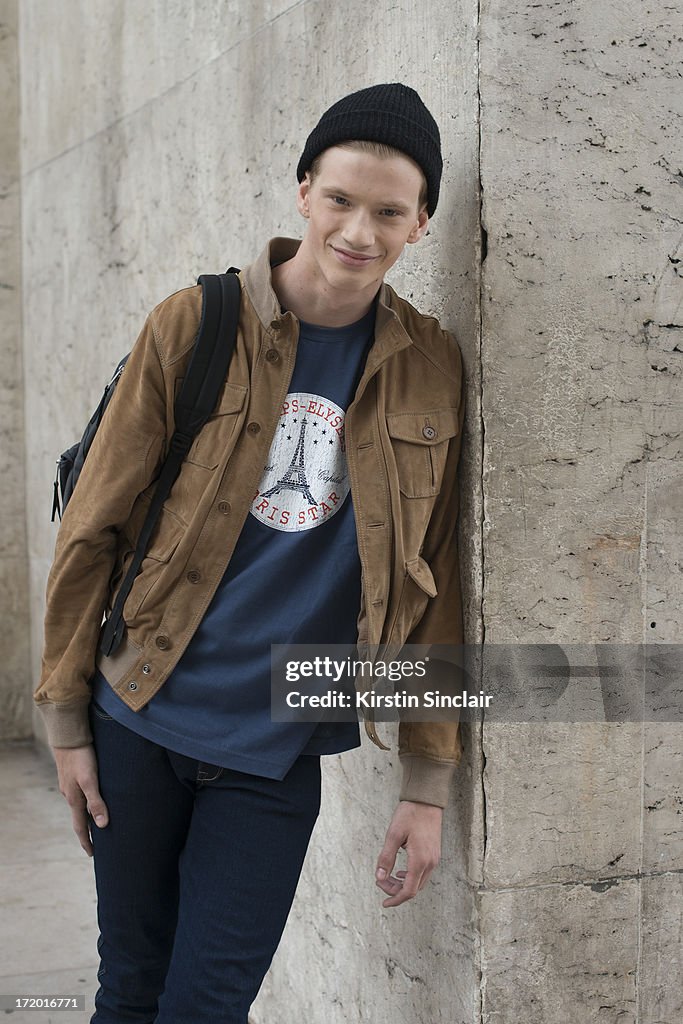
[[301, 288]]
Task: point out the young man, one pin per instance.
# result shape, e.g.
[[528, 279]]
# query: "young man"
[[318, 505]]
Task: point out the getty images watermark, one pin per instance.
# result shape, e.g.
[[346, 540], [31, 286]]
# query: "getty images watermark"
[[337, 671], [465, 682]]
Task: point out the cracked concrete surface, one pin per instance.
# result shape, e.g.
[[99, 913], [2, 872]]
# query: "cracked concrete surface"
[[583, 489]]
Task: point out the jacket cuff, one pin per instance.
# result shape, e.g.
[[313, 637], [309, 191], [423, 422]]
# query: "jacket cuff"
[[67, 725], [425, 781]]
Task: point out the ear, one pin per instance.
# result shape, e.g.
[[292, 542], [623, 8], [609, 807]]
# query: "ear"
[[421, 226], [302, 200]]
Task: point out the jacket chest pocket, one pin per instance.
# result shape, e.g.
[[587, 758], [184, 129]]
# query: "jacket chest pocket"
[[420, 444], [209, 445]]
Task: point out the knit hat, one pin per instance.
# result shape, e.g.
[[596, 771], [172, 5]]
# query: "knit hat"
[[393, 114]]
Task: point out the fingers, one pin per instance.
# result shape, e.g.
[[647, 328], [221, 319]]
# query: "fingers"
[[96, 804], [79, 817], [406, 887], [79, 785], [404, 884], [417, 828], [387, 859]]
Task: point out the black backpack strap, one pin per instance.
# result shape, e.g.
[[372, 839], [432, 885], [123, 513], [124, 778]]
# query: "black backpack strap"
[[211, 355], [203, 381]]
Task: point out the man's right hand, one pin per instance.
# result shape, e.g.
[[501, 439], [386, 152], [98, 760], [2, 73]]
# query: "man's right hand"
[[79, 785]]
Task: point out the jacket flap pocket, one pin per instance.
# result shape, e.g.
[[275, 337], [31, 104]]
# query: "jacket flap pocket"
[[426, 428], [210, 443], [166, 534], [419, 571], [230, 399]]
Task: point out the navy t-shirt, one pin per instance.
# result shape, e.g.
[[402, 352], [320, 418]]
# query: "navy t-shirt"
[[294, 577]]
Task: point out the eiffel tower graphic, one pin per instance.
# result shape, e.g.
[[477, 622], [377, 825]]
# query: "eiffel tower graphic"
[[295, 477]]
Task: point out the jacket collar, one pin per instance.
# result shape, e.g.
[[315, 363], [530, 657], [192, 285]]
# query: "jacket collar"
[[257, 280]]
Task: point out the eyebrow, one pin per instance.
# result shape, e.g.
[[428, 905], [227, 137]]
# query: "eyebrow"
[[396, 204]]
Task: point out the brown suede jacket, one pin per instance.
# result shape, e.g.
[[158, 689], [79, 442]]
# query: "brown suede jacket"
[[403, 433]]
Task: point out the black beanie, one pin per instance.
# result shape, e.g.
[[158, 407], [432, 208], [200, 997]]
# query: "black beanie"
[[393, 114]]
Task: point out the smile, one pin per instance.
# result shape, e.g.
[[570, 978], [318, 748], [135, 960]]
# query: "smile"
[[351, 259]]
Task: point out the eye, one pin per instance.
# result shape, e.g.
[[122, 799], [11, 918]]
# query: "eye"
[[339, 200], [390, 213]]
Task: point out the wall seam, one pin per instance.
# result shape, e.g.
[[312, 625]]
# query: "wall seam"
[[600, 884]]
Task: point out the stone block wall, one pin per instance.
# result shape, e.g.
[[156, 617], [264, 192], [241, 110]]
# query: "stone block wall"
[[159, 141], [581, 343]]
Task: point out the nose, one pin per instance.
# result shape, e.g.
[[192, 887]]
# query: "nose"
[[358, 232]]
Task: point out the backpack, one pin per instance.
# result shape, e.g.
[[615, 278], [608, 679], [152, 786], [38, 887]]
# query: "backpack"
[[213, 348]]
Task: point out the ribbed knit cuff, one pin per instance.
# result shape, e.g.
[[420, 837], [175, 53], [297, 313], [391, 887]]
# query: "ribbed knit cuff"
[[67, 725], [425, 781]]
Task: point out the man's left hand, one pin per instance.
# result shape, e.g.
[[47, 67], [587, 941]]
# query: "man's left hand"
[[417, 828]]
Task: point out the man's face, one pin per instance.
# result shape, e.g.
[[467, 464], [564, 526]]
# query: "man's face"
[[361, 210]]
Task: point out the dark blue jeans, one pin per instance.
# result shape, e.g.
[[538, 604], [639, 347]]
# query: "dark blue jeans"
[[195, 873]]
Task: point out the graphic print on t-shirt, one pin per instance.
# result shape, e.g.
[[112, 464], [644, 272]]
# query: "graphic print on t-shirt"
[[305, 480]]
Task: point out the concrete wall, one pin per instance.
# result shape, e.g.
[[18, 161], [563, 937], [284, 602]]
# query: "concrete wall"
[[159, 141], [15, 719], [148, 160], [582, 333]]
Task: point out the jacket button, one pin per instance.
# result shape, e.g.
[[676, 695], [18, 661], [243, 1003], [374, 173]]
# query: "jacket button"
[[132, 686], [272, 355], [275, 325], [429, 433], [162, 642], [194, 576], [225, 507], [253, 427], [147, 669]]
